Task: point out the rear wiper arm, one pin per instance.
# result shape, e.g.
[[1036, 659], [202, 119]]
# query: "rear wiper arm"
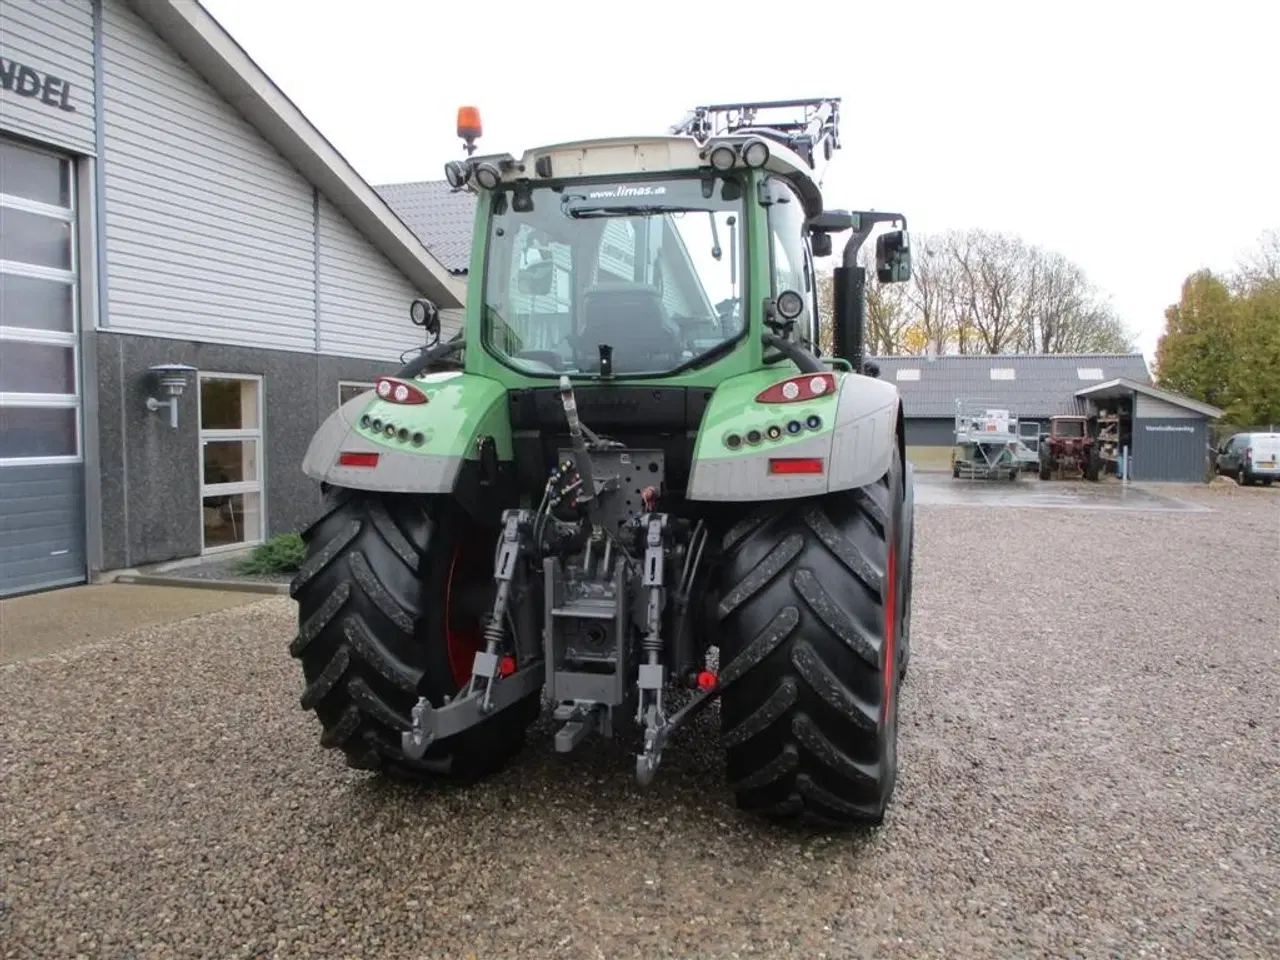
[[582, 213]]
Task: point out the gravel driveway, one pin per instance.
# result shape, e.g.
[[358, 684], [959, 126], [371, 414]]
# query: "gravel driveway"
[[1100, 779]]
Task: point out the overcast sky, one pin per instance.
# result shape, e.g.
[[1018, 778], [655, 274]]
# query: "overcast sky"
[[1137, 138]]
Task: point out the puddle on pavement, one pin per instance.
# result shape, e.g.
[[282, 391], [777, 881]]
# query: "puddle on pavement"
[[1029, 492]]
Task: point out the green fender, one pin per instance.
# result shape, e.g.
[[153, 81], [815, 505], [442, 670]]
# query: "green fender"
[[419, 448], [849, 432]]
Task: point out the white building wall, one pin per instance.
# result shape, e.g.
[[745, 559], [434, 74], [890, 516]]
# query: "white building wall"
[[364, 300], [46, 72], [210, 232]]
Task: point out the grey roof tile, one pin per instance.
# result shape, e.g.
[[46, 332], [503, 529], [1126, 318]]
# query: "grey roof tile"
[[440, 218], [1043, 385]]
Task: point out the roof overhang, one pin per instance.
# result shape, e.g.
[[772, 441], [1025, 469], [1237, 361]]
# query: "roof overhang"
[[1122, 387], [210, 50]]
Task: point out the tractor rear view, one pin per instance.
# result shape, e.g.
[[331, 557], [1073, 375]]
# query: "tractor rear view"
[[632, 454], [1069, 450]]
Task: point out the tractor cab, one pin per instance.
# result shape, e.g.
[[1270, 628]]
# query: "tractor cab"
[[1068, 428]]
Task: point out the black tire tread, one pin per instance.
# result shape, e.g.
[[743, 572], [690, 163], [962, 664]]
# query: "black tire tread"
[[803, 678], [361, 602]]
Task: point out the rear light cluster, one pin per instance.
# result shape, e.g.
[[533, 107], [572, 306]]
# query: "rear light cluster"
[[398, 391], [389, 430], [774, 431], [810, 386]]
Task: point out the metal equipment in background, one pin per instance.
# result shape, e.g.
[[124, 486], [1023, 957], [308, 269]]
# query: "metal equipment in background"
[[986, 443]]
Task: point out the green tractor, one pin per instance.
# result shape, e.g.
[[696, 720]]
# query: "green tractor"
[[631, 455]]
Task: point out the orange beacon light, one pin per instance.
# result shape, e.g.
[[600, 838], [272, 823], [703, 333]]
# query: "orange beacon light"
[[469, 128]]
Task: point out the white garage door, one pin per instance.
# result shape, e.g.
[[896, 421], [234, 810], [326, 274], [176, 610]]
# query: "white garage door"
[[42, 519]]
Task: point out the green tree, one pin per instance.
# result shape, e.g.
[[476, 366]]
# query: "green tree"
[[1221, 345], [1256, 377]]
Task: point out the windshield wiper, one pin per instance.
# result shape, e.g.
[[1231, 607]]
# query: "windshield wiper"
[[582, 213], [630, 210]]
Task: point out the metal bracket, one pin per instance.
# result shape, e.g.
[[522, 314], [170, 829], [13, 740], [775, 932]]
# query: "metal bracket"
[[430, 724], [656, 737], [580, 718]]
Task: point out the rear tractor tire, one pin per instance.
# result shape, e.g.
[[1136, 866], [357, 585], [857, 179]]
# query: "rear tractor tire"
[[811, 611], [389, 603]]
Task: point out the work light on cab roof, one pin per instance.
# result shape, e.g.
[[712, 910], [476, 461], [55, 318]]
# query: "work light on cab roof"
[[633, 450]]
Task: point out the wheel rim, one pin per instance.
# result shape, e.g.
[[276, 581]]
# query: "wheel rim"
[[468, 596]]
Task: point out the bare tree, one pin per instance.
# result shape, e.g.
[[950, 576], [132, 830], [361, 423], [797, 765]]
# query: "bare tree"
[[1260, 266], [978, 291]]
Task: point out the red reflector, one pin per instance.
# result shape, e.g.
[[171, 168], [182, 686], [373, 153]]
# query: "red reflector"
[[507, 666], [809, 386], [706, 680], [398, 391], [350, 458], [796, 465]]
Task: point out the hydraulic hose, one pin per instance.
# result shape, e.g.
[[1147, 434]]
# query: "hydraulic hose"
[[802, 358], [425, 359]]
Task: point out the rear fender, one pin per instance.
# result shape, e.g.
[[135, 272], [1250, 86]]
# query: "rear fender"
[[855, 440], [461, 409]]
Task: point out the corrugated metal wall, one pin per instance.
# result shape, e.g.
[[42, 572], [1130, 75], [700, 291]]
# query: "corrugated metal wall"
[[46, 71], [1151, 408], [1171, 449], [42, 522], [930, 432], [364, 300], [210, 233]]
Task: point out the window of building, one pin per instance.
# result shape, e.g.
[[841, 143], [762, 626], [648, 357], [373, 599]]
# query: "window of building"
[[39, 375], [1089, 373], [909, 373], [1002, 373], [350, 389], [231, 476]]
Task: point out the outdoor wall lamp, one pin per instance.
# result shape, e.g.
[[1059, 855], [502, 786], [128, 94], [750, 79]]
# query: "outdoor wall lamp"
[[173, 377]]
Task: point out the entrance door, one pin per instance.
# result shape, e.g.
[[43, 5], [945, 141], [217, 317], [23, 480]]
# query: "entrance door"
[[230, 461], [42, 514]]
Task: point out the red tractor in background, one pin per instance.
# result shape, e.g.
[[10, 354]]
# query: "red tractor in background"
[[1070, 449]]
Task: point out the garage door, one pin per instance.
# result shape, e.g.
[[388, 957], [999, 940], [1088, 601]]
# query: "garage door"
[[42, 518]]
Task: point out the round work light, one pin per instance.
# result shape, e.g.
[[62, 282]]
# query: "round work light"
[[723, 157], [755, 153], [488, 176]]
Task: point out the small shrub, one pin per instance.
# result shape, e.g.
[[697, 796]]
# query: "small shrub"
[[282, 554]]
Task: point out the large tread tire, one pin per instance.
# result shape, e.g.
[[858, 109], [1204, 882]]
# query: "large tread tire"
[[371, 636], [810, 676]]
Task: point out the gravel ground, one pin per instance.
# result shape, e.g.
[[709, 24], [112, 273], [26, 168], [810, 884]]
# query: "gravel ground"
[[1097, 781]]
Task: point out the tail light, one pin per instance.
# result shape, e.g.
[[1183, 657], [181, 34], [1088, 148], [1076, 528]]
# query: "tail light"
[[1248, 453], [397, 391], [790, 466], [810, 386], [356, 458]]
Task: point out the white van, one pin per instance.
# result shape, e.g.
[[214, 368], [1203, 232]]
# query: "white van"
[[1251, 458]]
